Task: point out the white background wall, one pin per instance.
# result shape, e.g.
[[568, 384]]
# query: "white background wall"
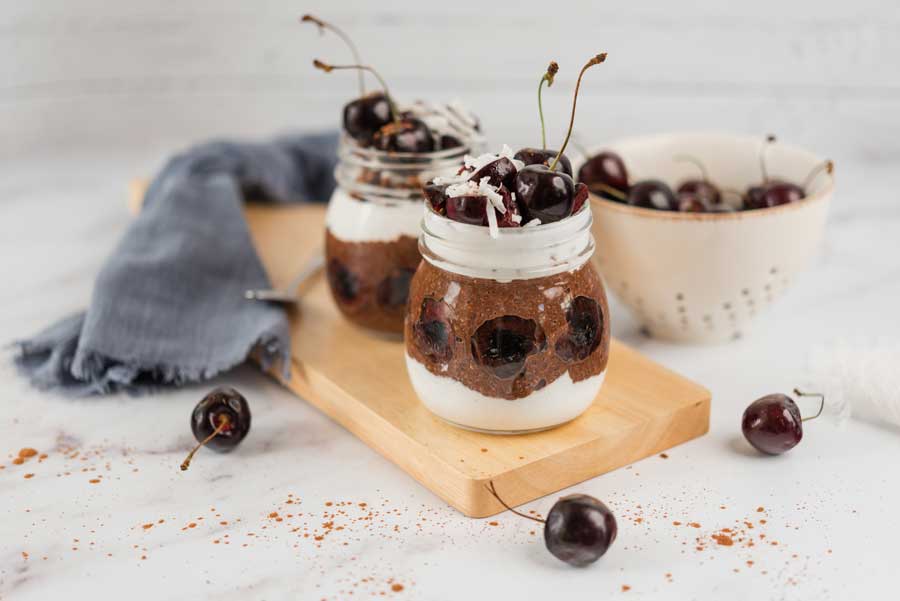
[[147, 77]]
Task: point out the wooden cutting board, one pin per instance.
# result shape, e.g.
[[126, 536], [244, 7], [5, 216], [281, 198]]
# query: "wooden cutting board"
[[360, 382]]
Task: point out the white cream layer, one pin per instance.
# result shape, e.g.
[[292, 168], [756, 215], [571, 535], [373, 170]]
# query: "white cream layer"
[[353, 220], [556, 403]]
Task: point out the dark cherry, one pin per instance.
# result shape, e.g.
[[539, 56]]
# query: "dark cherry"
[[471, 209], [544, 194], [501, 171], [773, 424], [754, 198], [220, 421], [344, 284], [365, 116], [782, 193], [406, 135], [581, 196], [508, 219], [605, 169], [690, 203], [432, 331], [542, 156], [502, 344], [393, 291], [773, 194], [436, 194], [585, 329], [652, 194], [704, 191], [446, 142], [579, 530]]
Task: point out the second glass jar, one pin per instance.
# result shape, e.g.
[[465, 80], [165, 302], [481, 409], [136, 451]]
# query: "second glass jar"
[[372, 229]]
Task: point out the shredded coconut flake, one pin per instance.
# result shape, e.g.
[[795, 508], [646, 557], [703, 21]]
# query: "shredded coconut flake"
[[463, 188], [485, 188], [492, 220], [516, 218], [533, 223]]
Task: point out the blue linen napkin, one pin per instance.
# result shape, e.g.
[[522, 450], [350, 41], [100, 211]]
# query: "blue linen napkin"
[[168, 306]]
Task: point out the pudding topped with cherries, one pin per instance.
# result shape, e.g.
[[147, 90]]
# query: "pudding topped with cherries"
[[387, 152], [507, 329]]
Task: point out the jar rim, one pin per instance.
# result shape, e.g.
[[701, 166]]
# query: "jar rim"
[[515, 254], [349, 150]]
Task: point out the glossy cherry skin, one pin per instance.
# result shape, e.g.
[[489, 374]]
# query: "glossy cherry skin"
[[606, 168], [544, 194], [501, 171], [772, 424], [433, 330], [652, 194], [366, 115], [221, 403], [406, 135], [703, 190], [472, 209], [540, 156], [782, 193], [772, 194], [581, 196], [436, 194], [579, 530], [689, 203]]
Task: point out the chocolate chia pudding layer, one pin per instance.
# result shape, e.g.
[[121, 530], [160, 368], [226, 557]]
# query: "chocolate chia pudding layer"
[[369, 280], [508, 339]]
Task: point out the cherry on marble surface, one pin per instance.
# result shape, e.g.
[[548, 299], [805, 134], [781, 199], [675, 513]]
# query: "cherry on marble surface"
[[220, 421], [773, 424]]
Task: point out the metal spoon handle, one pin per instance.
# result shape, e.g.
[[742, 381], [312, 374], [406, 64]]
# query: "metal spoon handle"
[[289, 293]]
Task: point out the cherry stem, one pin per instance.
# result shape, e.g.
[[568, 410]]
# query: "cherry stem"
[[826, 166], [493, 491], [762, 157], [594, 61], [552, 70], [821, 403], [329, 68], [609, 190], [323, 25], [684, 158], [224, 422]]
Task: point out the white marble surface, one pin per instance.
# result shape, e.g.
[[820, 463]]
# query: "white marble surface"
[[831, 504]]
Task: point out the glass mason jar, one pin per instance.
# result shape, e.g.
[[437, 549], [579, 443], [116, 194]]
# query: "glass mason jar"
[[372, 229], [507, 334]]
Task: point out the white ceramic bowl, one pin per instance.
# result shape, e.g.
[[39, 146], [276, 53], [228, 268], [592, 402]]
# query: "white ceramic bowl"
[[703, 277]]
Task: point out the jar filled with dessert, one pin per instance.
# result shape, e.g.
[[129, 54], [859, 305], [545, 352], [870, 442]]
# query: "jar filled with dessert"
[[508, 324], [387, 152]]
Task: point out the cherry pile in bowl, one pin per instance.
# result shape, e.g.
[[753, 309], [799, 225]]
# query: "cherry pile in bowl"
[[606, 175]]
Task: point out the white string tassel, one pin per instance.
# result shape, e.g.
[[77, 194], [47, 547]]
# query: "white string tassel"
[[861, 381]]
